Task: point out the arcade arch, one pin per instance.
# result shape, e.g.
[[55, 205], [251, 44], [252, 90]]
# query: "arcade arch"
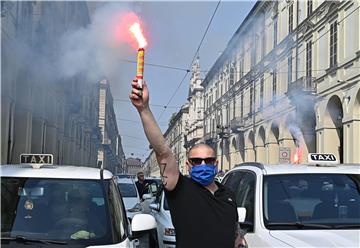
[[333, 132]]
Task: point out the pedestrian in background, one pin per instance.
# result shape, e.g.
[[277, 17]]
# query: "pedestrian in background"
[[142, 185], [203, 212]]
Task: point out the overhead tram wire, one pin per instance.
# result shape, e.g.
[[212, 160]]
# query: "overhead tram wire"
[[157, 65], [155, 105], [166, 106], [192, 61]]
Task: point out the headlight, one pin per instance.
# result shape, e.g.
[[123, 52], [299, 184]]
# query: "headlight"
[[169, 232], [136, 208]]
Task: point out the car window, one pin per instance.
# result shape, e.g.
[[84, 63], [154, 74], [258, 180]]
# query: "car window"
[[61, 209], [127, 189], [243, 185], [117, 213], [331, 199]]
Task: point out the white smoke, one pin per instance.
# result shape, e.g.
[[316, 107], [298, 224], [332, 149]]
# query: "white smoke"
[[92, 51]]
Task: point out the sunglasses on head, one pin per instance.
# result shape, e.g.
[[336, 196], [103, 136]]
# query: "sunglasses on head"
[[198, 161]]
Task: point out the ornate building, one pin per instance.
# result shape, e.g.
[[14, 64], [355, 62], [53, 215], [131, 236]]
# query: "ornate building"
[[287, 81], [194, 132], [110, 155], [175, 138], [41, 112]]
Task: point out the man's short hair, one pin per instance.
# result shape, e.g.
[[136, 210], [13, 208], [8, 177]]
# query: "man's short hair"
[[140, 173], [201, 145]]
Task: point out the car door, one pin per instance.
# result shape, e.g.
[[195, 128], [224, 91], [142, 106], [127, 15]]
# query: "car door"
[[243, 183]]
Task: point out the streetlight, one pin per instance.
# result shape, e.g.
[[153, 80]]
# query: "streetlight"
[[223, 133]]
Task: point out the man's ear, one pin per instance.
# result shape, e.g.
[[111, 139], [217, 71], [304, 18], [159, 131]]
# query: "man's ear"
[[188, 166]]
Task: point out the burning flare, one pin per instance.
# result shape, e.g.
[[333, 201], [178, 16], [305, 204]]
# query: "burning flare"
[[136, 30], [297, 156]]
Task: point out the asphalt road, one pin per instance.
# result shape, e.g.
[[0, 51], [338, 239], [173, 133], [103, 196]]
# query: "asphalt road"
[[144, 241]]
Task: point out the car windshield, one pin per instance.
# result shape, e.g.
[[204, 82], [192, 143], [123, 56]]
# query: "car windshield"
[[73, 211], [127, 189], [311, 201]]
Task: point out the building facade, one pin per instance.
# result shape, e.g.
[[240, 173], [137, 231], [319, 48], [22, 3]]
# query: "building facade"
[[194, 131], [111, 155], [133, 166], [41, 113], [175, 138], [288, 81]]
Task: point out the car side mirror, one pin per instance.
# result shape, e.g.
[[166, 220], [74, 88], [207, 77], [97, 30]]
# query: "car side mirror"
[[241, 214], [155, 206], [147, 196], [143, 222]]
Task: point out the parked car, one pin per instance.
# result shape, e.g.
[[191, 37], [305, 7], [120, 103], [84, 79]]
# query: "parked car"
[[297, 205], [130, 196], [122, 175], [165, 232], [154, 186], [45, 205]]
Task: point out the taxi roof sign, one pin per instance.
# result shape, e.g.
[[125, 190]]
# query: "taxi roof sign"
[[322, 159], [40, 159]]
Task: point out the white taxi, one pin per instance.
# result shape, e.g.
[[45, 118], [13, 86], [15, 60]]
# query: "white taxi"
[[45, 205], [314, 205], [165, 232]]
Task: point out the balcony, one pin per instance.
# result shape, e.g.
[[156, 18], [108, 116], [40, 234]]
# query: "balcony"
[[301, 91], [303, 85], [237, 124]]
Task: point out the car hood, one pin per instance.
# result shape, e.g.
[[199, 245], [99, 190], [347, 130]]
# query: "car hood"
[[318, 238], [130, 202]]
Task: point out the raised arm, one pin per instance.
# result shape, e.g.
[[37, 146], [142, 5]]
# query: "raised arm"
[[169, 168]]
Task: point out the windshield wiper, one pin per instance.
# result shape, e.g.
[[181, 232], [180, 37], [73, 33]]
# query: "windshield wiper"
[[299, 225], [24, 239], [345, 226]]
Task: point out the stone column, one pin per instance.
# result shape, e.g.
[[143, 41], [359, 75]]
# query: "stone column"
[[6, 127], [272, 151], [51, 141], [249, 154], [260, 154], [352, 142], [37, 135], [328, 141], [22, 136]]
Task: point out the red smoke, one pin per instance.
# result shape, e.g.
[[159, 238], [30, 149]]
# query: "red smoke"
[[122, 24]]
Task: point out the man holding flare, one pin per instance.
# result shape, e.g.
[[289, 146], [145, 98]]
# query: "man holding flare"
[[203, 211]]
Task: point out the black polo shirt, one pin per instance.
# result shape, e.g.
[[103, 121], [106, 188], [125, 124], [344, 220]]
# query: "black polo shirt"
[[202, 219], [143, 188]]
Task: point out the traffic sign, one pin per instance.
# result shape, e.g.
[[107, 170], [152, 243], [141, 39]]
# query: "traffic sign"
[[284, 155]]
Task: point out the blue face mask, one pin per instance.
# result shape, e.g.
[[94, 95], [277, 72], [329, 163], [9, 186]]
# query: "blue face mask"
[[203, 174]]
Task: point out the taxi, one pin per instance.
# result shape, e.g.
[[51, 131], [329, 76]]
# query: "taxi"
[[46, 205], [164, 236], [312, 205]]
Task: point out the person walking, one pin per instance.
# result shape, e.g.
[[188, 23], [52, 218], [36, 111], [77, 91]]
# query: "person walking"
[[203, 212]]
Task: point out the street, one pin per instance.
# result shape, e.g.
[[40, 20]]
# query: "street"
[[255, 105]]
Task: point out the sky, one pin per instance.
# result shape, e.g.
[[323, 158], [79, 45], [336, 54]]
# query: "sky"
[[174, 31]]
